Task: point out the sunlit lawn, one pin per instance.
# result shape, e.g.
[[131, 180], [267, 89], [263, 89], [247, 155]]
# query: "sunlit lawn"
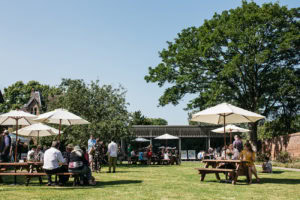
[[161, 182]]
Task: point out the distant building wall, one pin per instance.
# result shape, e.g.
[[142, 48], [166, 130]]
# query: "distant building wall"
[[289, 143]]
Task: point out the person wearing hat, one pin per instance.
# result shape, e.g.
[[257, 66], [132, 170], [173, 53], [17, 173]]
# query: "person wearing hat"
[[79, 164], [69, 149], [52, 159]]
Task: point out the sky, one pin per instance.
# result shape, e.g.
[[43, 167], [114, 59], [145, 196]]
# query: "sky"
[[113, 41]]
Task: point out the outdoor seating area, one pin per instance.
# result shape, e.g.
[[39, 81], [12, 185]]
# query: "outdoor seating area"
[[150, 100]]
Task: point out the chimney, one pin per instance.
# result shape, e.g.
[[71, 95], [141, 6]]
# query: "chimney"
[[32, 92]]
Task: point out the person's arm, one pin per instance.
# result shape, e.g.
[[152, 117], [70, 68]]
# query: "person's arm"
[[60, 158]]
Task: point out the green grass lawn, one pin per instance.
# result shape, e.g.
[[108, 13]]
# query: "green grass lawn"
[[161, 182]]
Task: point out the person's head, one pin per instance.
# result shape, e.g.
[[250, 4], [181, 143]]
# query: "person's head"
[[55, 144], [267, 158], [33, 148], [77, 148], [248, 147], [237, 137], [91, 136], [5, 132], [230, 147], [83, 149], [39, 148], [69, 147]]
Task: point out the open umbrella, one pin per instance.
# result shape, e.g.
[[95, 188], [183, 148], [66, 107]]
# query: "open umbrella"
[[16, 118], [166, 137], [226, 113], [231, 129], [61, 117], [38, 130], [140, 139]]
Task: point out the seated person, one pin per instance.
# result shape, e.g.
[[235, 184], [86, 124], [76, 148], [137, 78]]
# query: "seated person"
[[267, 165], [200, 155], [78, 163], [52, 160], [39, 155], [31, 154], [166, 156]]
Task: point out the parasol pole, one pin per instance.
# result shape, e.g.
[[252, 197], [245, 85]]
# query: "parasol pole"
[[16, 149], [38, 139], [224, 137], [59, 130]]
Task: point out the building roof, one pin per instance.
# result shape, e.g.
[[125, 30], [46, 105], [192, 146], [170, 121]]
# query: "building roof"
[[183, 131], [35, 96]]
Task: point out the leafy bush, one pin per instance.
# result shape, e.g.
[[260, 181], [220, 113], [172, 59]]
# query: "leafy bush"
[[283, 157], [260, 157]]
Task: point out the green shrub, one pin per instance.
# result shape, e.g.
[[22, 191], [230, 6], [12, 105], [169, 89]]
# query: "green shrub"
[[283, 157]]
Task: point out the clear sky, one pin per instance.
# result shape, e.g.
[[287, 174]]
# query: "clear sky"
[[113, 41]]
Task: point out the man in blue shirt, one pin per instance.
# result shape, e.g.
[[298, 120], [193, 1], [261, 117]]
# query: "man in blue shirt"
[[91, 145]]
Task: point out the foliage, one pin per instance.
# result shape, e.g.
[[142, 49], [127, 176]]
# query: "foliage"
[[248, 56], [137, 118], [283, 157], [279, 126], [261, 157], [104, 106], [18, 94]]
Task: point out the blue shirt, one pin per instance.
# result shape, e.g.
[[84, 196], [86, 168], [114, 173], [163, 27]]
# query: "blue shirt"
[[91, 143]]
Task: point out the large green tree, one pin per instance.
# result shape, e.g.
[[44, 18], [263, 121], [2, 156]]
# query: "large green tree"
[[104, 106], [247, 56]]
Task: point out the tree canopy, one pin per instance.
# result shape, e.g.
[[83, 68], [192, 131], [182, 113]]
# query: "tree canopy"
[[247, 56], [104, 106], [137, 118]]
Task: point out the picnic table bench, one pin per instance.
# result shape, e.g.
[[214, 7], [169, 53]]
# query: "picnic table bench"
[[30, 167], [239, 170], [204, 171], [30, 175]]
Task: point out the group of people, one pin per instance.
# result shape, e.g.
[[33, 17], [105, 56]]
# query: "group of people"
[[97, 152], [74, 161], [238, 151], [146, 155]]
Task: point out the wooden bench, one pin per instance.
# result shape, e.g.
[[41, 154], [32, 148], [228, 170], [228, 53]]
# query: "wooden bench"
[[40, 174], [204, 171]]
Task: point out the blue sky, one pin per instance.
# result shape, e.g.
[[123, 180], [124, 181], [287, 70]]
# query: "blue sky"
[[113, 41]]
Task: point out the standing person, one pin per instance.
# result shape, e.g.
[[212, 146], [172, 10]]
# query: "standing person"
[[112, 153], [91, 150], [238, 143], [249, 155], [52, 158], [129, 149], [13, 149], [98, 155], [5, 147]]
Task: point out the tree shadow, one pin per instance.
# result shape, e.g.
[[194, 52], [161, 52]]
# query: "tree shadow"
[[279, 181]]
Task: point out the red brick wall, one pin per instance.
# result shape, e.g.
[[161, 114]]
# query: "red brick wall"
[[289, 143]]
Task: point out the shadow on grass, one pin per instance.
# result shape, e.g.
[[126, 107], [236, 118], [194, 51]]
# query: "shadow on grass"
[[280, 181]]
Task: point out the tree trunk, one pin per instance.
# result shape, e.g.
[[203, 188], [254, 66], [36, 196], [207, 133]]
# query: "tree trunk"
[[253, 135]]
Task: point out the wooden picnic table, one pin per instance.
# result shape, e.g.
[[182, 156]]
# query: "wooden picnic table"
[[240, 168], [34, 169]]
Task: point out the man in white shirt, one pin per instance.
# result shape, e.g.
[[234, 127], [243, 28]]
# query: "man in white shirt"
[[112, 153], [52, 158]]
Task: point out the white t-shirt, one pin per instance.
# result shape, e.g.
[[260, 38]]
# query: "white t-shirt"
[[112, 149], [52, 158]]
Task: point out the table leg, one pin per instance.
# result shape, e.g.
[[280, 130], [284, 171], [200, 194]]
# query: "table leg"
[[202, 176]]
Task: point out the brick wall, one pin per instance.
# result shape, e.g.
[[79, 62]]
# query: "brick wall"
[[289, 143]]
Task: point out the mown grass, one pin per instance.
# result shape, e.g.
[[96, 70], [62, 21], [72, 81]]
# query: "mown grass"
[[161, 182]]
